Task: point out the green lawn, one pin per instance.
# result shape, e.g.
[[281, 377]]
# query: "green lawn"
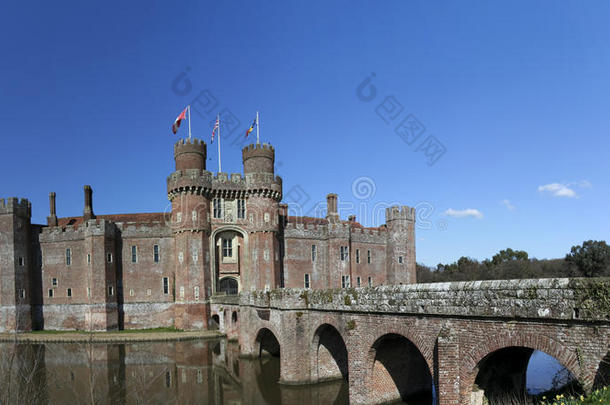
[[151, 330]]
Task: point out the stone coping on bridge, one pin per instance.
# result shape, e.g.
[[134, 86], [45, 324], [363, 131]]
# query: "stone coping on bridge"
[[556, 298]]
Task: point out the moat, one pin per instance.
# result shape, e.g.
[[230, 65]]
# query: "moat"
[[196, 371], [189, 372]]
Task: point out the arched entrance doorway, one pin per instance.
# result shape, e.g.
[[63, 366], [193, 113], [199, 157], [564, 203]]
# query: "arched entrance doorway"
[[228, 286]]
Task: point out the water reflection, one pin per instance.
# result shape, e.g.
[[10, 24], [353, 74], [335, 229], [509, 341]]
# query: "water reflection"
[[209, 372]]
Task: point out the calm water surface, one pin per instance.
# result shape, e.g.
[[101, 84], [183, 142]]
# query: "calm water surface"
[[202, 372]]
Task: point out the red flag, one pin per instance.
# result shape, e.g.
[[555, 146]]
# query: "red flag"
[[181, 117], [215, 128]]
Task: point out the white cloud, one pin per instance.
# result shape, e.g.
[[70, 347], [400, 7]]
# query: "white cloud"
[[563, 189], [468, 212], [558, 190], [508, 205]]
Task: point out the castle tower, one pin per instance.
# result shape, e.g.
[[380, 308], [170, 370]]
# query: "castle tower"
[[189, 190], [264, 192], [15, 265], [400, 252]]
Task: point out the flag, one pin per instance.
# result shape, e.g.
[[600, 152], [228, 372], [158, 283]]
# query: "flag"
[[251, 128], [216, 125], [181, 117]]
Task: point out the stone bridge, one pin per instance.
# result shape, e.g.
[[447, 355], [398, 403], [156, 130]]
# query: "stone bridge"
[[402, 342]]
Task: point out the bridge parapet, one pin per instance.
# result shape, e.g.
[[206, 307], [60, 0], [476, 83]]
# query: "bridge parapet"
[[558, 298]]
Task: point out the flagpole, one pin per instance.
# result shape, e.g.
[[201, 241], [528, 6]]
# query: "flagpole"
[[189, 107], [219, 166], [258, 140]]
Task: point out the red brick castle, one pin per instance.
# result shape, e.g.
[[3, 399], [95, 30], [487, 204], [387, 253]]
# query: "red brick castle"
[[225, 234]]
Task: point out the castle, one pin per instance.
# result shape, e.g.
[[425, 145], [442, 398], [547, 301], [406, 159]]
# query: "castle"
[[225, 234]]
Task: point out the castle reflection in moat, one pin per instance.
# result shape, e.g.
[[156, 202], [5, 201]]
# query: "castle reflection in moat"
[[189, 372]]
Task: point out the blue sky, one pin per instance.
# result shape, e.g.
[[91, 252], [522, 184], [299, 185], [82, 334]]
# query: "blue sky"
[[516, 94]]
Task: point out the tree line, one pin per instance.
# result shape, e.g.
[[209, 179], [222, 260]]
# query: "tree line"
[[591, 259]]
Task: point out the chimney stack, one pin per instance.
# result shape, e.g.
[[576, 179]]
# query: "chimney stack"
[[331, 208], [88, 212], [52, 218]]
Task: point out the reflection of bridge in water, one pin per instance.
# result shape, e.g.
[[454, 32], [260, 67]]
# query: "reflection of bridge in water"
[[464, 340]]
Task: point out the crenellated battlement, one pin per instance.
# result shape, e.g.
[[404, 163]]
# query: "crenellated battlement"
[[258, 149], [13, 205], [192, 144], [400, 213], [92, 227]]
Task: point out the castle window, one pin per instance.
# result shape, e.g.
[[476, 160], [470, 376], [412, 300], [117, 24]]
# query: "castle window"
[[22, 293], [148, 291], [266, 217], [109, 257], [88, 292], [266, 255], [196, 291], [217, 208], [131, 293], [400, 259], [368, 256], [345, 282], [51, 293], [370, 281], [168, 379], [306, 281], [69, 292], [88, 258], [110, 290], [344, 253], [156, 253], [68, 257], [241, 208], [181, 292], [165, 285], [227, 248], [134, 254], [194, 216], [313, 253], [22, 261], [357, 255], [357, 281], [54, 282], [178, 217]]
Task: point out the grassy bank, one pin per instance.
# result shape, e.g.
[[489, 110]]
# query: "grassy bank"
[[600, 396]]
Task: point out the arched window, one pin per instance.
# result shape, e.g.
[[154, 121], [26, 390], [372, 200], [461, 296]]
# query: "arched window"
[[228, 285]]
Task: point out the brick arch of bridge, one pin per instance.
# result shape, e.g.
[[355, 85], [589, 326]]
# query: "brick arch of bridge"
[[422, 342], [321, 323], [257, 344], [490, 344]]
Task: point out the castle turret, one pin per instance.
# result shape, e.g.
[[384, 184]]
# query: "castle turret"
[[264, 192], [189, 189], [400, 252], [258, 158], [190, 154], [15, 265]]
